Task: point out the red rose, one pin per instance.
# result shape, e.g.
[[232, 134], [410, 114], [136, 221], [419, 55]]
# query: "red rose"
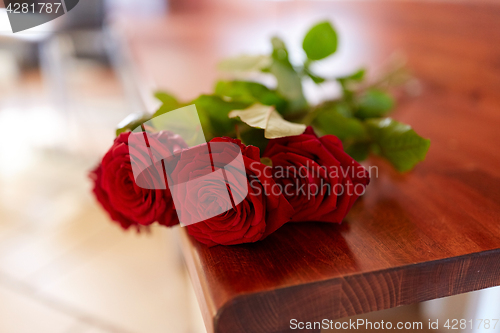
[[116, 188], [317, 177], [255, 214]]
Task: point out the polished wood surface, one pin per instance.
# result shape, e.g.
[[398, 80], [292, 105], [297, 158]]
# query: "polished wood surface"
[[431, 233]]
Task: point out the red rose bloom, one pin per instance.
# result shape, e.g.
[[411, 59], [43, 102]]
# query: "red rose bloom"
[[317, 177], [257, 212], [116, 189]]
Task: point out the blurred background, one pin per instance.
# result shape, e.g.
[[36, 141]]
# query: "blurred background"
[[63, 266], [64, 87]]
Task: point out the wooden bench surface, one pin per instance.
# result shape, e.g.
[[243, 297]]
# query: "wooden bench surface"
[[431, 233]]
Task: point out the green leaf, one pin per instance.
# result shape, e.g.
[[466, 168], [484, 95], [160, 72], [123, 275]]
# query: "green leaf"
[[347, 83], [180, 122], [216, 110], [131, 122], [320, 42], [253, 136], [357, 76], [268, 119], [374, 104], [168, 100], [316, 79], [250, 92], [289, 82], [335, 119], [359, 150], [398, 143], [245, 63], [184, 122], [170, 103], [166, 108], [344, 109]]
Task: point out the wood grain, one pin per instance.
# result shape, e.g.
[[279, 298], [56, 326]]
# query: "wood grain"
[[430, 233]]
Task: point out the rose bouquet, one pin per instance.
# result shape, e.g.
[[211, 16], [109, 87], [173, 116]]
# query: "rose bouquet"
[[289, 161]]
